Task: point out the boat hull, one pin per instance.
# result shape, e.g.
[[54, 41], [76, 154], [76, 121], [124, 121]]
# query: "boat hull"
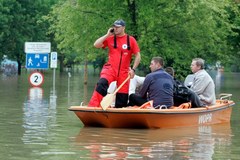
[[153, 118]]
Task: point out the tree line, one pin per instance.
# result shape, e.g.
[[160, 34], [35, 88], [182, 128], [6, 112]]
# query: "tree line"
[[177, 30]]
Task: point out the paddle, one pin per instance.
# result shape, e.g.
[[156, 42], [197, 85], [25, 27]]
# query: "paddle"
[[108, 99]]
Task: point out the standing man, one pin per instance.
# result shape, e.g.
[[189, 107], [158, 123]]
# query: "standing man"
[[157, 86], [121, 48], [202, 84]]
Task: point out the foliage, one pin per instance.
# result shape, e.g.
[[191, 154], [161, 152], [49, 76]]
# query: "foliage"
[[77, 24], [182, 30], [20, 21], [177, 30]]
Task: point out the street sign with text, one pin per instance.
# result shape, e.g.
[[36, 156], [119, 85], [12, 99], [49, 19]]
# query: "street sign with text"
[[37, 47]]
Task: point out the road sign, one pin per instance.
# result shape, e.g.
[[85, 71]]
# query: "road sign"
[[37, 61], [37, 47], [36, 79], [53, 58]]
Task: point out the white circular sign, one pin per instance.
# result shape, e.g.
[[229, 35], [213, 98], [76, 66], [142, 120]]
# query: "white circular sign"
[[36, 79]]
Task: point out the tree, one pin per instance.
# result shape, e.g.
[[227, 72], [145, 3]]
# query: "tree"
[[176, 30], [234, 40], [21, 22], [182, 30], [78, 23]]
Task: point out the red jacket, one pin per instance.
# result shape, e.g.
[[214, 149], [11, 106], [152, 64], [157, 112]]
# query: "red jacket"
[[120, 57]]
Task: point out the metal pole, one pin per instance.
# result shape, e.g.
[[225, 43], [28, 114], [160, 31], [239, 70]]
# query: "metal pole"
[[69, 76], [54, 79]]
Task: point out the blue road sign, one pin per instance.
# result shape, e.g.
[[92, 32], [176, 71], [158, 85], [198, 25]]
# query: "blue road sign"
[[37, 61]]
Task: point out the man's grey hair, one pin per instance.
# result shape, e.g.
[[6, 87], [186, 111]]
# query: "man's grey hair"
[[199, 62]]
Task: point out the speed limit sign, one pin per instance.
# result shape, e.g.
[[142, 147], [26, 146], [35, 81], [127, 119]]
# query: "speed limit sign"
[[36, 79]]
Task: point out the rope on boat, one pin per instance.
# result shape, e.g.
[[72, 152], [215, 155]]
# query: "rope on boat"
[[161, 107]]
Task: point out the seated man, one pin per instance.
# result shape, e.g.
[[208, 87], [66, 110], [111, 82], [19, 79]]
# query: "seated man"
[[135, 82], [157, 86], [182, 94], [203, 84]]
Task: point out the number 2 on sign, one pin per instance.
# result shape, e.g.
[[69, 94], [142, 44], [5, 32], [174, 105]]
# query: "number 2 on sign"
[[36, 79]]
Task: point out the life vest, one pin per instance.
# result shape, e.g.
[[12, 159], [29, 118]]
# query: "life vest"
[[128, 42]]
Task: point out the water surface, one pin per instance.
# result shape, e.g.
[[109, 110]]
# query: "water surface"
[[35, 124]]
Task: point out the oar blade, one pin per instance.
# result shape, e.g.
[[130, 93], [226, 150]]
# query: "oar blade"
[[107, 101]]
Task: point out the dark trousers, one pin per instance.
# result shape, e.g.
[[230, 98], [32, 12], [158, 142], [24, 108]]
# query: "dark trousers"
[[121, 100], [137, 100], [194, 99], [190, 97]]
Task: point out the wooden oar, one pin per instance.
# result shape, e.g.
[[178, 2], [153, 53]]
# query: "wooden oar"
[[108, 99]]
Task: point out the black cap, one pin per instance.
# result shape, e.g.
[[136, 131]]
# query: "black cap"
[[119, 23]]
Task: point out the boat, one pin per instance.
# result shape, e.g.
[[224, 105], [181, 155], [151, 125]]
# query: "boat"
[[145, 117]]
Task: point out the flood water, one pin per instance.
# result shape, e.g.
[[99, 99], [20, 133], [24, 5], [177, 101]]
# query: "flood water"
[[35, 124]]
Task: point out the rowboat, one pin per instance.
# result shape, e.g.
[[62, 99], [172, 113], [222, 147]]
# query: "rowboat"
[[138, 117]]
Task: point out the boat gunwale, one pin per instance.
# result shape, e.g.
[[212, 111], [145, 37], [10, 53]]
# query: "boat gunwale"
[[151, 111]]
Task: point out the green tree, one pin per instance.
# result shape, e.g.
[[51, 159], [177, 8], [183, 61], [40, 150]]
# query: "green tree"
[[21, 22], [177, 30], [234, 40], [182, 30]]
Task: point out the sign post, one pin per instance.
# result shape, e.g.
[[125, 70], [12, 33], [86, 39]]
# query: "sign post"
[[54, 66], [53, 60], [37, 57]]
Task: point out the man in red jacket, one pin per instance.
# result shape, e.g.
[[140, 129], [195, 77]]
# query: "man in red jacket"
[[121, 48]]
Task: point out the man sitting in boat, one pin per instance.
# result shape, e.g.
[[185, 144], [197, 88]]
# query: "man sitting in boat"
[[135, 83], [203, 84], [157, 86], [182, 94]]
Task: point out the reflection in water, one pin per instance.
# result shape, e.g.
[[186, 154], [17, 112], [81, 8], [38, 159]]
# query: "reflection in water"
[[38, 117], [53, 99], [185, 143], [219, 80]]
